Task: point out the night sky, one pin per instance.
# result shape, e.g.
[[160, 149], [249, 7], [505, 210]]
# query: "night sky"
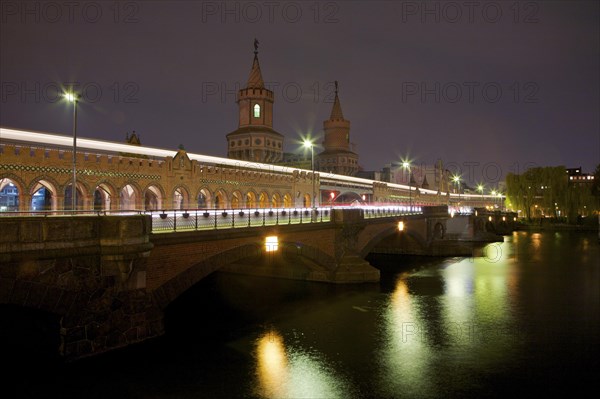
[[494, 88]]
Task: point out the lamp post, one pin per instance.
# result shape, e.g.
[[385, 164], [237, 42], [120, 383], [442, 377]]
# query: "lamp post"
[[72, 97], [480, 189], [500, 202], [309, 144], [456, 180], [406, 166]]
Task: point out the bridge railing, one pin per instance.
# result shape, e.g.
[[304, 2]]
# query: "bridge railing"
[[371, 212], [220, 219]]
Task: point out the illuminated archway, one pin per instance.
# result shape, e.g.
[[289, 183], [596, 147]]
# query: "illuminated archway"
[[263, 200], [236, 199], [79, 197], [220, 199], [287, 201], [204, 198], [102, 197], [128, 197], [152, 198], [43, 196], [250, 199], [180, 198], [276, 200], [9, 195], [306, 201]]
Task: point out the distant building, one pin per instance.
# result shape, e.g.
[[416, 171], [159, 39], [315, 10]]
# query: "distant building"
[[576, 176], [431, 177], [9, 196]]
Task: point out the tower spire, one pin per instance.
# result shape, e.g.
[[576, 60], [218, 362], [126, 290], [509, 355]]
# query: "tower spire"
[[255, 80], [336, 111]]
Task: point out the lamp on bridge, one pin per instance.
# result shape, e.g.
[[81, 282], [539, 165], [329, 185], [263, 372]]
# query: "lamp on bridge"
[[456, 180], [74, 97], [480, 189], [309, 144], [406, 166]]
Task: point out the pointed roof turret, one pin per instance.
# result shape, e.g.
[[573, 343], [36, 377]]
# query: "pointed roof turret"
[[255, 80], [336, 111], [425, 184]]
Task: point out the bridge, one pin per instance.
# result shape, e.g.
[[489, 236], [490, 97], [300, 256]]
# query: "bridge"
[[117, 176], [108, 270]]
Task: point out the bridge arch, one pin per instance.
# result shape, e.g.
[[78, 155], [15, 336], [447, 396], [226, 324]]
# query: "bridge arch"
[[82, 199], [43, 191], [130, 196], [276, 200], [347, 197], [104, 196], [172, 289], [181, 197], [221, 199], [250, 199], [203, 198], [306, 202], [287, 201], [395, 238], [154, 196], [8, 178], [236, 199], [263, 200]]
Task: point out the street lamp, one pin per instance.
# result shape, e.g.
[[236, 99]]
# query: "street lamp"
[[73, 97], [480, 189], [406, 166], [456, 179], [309, 144], [500, 202]]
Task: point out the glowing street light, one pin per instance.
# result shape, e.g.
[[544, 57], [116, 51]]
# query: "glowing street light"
[[406, 166], [73, 97], [456, 180], [480, 189], [308, 144]]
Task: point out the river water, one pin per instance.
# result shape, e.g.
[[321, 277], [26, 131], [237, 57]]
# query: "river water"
[[521, 318]]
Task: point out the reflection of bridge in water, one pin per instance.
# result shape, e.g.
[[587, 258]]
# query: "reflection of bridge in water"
[[115, 176]]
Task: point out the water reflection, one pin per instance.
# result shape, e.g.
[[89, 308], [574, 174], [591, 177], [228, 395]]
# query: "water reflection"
[[290, 372], [461, 312], [406, 355]]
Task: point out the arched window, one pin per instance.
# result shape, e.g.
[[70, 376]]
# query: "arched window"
[[256, 111]]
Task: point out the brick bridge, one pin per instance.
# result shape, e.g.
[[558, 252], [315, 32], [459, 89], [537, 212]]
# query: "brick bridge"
[[108, 279]]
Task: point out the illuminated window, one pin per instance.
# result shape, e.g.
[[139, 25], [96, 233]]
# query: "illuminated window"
[[256, 111]]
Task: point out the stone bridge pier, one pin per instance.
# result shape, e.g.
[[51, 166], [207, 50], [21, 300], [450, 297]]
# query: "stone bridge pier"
[[88, 272]]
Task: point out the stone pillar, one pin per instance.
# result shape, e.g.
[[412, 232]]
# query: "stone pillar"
[[24, 202], [350, 266]]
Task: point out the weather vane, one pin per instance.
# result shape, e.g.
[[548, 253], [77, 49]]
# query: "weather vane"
[[255, 46], [336, 87]]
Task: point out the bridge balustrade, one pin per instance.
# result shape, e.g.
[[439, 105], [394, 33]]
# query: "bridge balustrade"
[[220, 219], [172, 220]]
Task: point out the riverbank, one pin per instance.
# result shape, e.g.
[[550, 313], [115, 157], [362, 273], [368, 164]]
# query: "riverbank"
[[556, 227]]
